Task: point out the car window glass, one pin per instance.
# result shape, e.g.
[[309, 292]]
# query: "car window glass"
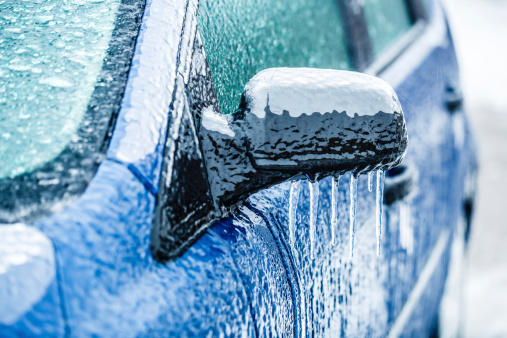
[[242, 38], [386, 20], [51, 55]]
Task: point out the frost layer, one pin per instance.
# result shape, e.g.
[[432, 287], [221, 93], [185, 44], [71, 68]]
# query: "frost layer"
[[50, 59]]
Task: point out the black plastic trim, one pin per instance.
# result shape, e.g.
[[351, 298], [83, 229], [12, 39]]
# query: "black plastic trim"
[[356, 34]]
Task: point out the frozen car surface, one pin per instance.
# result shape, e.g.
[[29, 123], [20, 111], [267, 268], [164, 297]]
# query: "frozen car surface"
[[91, 199]]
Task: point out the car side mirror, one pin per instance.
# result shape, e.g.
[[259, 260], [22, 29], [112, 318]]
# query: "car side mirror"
[[291, 123]]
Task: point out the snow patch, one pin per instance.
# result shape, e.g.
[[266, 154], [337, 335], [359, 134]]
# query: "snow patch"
[[308, 91], [214, 121], [27, 267]]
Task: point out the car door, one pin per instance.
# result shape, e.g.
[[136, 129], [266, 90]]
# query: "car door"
[[330, 293], [424, 196], [287, 289]]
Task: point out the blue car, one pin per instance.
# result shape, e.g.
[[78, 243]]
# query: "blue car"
[[231, 168]]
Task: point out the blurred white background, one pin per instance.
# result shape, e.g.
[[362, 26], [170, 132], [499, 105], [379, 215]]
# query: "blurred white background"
[[480, 34]]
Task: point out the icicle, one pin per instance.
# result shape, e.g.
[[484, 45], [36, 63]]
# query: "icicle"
[[334, 208], [293, 204], [380, 201], [353, 200], [314, 205], [406, 231], [370, 181]]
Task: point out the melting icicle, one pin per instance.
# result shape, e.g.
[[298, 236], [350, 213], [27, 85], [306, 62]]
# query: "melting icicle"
[[293, 204], [334, 208], [406, 231], [370, 181], [353, 201], [314, 205], [380, 198]]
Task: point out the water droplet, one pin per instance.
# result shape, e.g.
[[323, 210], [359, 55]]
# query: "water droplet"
[[293, 204], [380, 201], [370, 181], [314, 205], [334, 208], [352, 215], [56, 82]]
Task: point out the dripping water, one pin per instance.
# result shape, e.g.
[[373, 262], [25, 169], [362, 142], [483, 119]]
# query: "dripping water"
[[293, 204], [380, 198], [314, 205], [334, 208], [353, 201], [370, 181]]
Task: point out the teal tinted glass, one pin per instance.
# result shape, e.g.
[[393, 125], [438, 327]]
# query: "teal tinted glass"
[[51, 53], [387, 21], [243, 37]]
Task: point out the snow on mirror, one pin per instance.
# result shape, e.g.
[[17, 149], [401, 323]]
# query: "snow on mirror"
[[291, 124]]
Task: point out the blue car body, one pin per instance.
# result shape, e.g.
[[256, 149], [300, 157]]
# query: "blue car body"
[[242, 277]]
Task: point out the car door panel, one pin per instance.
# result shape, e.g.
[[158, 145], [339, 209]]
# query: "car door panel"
[[433, 212], [337, 292], [257, 256]]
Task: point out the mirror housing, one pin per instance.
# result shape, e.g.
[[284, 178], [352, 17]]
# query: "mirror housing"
[[292, 123], [320, 122], [297, 122]]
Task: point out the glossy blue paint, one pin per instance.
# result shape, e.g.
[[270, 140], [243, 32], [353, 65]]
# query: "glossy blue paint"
[[110, 285], [44, 319]]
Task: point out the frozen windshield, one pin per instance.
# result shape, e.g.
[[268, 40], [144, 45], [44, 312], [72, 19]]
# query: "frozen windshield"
[[64, 66], [51, 55]]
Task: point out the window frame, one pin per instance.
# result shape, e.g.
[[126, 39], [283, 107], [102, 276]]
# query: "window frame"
[[361, 52]]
